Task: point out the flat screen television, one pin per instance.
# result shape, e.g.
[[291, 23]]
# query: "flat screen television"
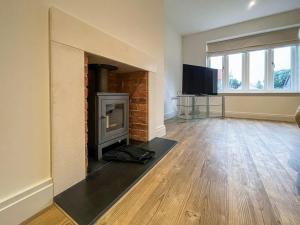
[[198, 80]]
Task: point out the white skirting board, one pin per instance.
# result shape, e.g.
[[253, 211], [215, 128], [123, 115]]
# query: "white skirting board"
[[160, 131], [260, 116], [26, 203], [170, 115]]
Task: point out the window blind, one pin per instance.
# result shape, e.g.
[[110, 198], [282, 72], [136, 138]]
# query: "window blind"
[[253, 42]]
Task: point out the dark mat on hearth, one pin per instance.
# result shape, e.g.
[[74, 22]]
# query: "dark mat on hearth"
[[89, 199], [129, 153]]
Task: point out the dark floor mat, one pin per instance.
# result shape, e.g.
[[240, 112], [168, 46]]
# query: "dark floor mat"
[[87, 200], [129, 153]]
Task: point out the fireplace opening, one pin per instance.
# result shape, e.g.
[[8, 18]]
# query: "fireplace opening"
[[116, 108]]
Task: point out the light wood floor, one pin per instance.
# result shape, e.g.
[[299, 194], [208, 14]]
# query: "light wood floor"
[[222, 172]]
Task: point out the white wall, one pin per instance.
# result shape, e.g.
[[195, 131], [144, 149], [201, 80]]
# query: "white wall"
[[173, 69], [194, 45], [278, 108], [24, 93], [266, 107], [24, 97]]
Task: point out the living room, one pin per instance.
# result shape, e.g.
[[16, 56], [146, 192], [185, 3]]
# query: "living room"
[[105, 129]]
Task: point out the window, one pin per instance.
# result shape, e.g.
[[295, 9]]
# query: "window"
[[272, 70], [257, 70], [217, 63], [235, 71], [282, 68]]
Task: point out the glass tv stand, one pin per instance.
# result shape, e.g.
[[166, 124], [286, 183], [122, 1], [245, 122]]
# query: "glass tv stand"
[[200, 107]]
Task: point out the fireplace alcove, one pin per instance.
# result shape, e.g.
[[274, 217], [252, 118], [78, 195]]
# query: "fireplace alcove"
[[116, 107], [70, 40]]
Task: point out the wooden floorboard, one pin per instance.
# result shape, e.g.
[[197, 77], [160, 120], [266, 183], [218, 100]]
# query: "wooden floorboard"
[[51, 216], [222, 172]]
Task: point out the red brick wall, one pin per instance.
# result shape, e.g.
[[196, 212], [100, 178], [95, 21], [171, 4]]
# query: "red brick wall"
[[136, 85]]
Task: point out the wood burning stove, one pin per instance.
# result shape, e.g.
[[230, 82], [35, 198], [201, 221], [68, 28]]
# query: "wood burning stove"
[[107, 112], [111, 120]]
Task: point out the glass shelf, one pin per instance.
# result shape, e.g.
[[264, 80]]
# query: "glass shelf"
[[199, 107]]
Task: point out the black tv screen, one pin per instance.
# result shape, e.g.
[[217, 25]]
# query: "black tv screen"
[[198, 80]]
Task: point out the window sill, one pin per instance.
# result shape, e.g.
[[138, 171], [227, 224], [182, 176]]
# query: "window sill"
[[259, 93]]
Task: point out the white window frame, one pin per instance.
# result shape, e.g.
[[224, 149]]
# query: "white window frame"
[[293, 74], [268, 83], [208, 62], [228, 89]]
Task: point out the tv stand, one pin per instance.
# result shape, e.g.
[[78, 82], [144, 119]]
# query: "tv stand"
[[199, 107]]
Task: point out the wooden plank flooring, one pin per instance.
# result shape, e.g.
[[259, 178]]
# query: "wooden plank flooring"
[[222, 172], [51, 216]]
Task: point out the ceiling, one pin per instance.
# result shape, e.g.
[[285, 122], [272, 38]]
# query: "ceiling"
[[191, 16]]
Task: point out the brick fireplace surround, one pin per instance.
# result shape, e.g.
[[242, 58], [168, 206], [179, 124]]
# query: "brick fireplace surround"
[[136, 85]]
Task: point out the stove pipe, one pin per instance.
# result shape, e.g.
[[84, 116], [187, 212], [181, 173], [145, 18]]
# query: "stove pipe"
[[101, 76]]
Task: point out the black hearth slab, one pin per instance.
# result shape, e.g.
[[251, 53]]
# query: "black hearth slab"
[[95, 165], [89, 199]]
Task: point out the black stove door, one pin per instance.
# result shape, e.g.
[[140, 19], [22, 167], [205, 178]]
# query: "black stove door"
[[113, 117]]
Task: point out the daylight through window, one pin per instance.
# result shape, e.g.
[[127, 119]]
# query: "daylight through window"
[[264, 70]]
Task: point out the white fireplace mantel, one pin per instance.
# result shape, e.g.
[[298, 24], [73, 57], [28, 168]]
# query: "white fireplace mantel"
[[71, 31]]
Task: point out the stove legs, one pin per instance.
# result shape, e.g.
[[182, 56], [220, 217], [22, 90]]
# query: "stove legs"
[[106, 144]]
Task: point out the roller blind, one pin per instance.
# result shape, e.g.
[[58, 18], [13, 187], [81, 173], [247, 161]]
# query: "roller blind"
[[252, 42]]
